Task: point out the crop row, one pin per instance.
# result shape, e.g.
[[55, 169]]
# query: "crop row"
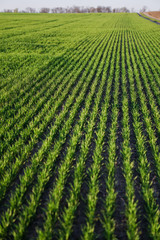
[[79, 154]]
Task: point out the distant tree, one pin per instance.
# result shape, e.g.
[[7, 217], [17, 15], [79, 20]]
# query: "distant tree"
[[144, 9], [132, 10], [45, 10], [116, 10], [71, 10], [124, 10], [85, 10], [16, 10], [68, 10], [58, 10], [103, 9], [108, 9], [30, 10], [8, 10], [53, 10], [92, 10], [76, 9], [99, 9], [121, 10]]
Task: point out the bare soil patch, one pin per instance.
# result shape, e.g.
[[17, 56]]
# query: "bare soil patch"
[[155, 14]]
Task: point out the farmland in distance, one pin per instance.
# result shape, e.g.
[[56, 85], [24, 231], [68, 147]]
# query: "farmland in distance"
[[79, 127]]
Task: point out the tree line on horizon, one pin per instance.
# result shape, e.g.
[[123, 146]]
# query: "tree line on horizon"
[[77, 9]]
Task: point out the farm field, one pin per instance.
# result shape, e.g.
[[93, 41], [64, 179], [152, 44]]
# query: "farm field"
[[79, 127], [155, 14]]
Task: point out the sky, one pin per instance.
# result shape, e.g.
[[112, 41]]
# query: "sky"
[[153, 5]]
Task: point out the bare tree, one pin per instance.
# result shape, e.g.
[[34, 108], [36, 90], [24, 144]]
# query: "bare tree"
[[68, 10], [115, 10], [8, 10], [58, 10], [108, 9], [103, 9], [16, 10], [76, 9], [132, 10], [99, 9], [85, 10], [144, 9], [53, 10], [45, 10], [124, 10], [30, 10], [92, 10], [121, 10]]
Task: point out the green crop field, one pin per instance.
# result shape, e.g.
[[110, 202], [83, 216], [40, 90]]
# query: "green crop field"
[[79, 127]]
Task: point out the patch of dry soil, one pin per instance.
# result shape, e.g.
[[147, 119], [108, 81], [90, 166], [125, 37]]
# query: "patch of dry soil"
[[155, 14]]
